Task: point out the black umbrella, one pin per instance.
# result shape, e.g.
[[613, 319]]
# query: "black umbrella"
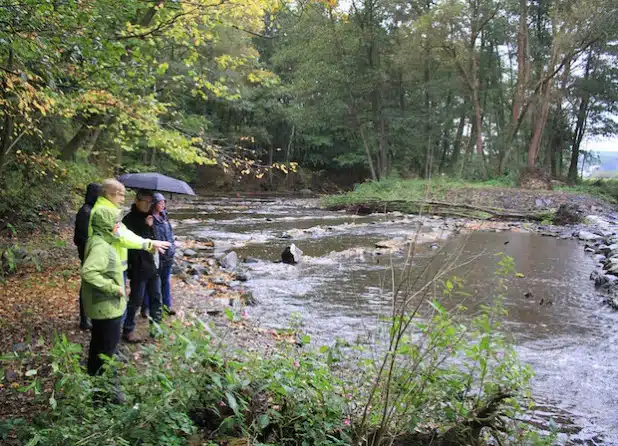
[[155, 181]]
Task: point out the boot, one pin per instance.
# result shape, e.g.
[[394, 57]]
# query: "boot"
[[131, 338]]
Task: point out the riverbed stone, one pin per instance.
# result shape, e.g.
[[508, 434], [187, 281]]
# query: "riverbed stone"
[[612, 268], [605, 281], [219, 281], [230, 261], [606, 250], [612, 254], [177, 268], [612, 300], [395, 243], [250, 260], [588, 236], [242, 277], [197, 270], [599, 258], [190, 253], [291, 255]]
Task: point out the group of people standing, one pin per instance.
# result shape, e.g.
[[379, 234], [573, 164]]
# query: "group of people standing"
[[140, 249]]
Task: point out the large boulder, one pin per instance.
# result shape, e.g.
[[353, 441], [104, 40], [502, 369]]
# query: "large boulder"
[[291, 255], [568, 214]]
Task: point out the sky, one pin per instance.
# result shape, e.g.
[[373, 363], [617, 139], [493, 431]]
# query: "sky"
[[601, 145]]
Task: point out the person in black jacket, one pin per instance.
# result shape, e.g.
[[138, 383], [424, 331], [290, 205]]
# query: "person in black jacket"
[[80, 238], [143, 266]]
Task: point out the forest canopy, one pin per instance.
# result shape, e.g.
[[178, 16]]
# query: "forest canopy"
[[468, 88]]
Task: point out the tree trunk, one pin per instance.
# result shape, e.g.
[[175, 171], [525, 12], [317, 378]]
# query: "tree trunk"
[[368, 154], [580, 127], [457, 140], [478, 121], [557, 142], [383, 145], [8, 125], [545, 98], [446, 132], [271, 152], [523, 66], [83, 135], [523, 74]]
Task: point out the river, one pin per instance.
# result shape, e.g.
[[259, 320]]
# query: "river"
[[341, 288]]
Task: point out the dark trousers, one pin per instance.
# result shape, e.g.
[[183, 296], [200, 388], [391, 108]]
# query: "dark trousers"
[[105, 339], [139, 287], [83, 317], [165, 274]]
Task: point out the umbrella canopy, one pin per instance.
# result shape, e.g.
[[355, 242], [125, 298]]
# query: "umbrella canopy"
[[155, 181]]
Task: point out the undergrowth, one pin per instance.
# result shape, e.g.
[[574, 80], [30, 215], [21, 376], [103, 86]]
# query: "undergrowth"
[[436, 377]]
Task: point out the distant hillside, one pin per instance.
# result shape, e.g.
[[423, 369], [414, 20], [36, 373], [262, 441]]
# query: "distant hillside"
[[607, 166]]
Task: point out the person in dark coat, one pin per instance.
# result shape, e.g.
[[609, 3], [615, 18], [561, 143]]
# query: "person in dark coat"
[[80, 237], [143, 266], [163, 231]]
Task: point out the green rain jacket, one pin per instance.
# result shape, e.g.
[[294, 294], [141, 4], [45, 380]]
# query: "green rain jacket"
[[125, 239], [103, 291]]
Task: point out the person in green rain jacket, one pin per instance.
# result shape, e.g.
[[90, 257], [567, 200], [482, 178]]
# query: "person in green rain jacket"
[[103, 287], [113, 194]]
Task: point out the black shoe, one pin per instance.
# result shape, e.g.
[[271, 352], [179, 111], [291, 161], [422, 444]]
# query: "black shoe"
[[144, 314]]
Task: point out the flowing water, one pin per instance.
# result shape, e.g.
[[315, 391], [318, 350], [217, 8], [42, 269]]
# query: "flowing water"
[[341, 288]]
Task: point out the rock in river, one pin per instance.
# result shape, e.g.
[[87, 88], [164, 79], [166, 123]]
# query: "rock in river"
[[291, 255], [396, 243], [588, 236], [190, 253]]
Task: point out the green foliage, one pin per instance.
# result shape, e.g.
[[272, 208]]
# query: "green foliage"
[[41, 189], [438, 373], [394, 189], [605, 189]]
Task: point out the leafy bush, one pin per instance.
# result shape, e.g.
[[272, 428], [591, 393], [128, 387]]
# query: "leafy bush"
[[38, 186]]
